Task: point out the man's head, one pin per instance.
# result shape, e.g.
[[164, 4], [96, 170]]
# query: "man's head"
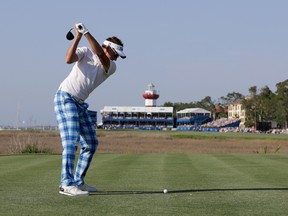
[[114, 48]]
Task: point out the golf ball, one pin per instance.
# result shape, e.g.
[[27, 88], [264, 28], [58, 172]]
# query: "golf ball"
[[165, 191]]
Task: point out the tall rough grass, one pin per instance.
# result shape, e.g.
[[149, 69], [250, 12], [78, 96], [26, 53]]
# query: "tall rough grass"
[[27, 143], [265, 150]]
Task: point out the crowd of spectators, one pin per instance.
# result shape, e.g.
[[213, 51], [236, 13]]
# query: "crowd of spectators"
[[220, 122], [252, 130]]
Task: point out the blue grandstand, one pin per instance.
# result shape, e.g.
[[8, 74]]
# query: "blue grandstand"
[[143, 118], [216, 125], [192, 118]]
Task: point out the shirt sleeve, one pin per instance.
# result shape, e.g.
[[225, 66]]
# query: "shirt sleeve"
[[112, 68], [80, 52]]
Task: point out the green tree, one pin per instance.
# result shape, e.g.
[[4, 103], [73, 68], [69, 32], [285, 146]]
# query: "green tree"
[[261, 105], [250, 105], [206, 103], [265, 104], [230, 98], [253, 91], [282, 103]]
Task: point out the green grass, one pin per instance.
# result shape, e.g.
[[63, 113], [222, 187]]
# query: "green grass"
[[131, 184]]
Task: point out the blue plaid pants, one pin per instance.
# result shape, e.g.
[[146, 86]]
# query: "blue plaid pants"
[[75, 126]]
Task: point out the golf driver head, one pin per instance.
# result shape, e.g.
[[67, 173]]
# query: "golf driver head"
[[69, 35]]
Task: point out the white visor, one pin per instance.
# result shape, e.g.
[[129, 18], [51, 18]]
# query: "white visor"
[[116, 47]]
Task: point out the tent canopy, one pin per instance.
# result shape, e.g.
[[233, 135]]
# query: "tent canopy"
[[194, 110]]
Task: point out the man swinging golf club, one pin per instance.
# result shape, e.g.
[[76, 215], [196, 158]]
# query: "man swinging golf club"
[[93, 65]]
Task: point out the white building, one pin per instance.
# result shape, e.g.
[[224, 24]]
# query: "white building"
[[236, 111], [148, 117]]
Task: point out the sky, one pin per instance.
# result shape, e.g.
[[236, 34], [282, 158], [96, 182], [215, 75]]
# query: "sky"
[[188, 49]]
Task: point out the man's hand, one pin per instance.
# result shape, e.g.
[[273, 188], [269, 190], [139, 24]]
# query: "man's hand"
[[81, 28]]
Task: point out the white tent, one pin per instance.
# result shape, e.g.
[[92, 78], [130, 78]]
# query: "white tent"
[[190, 111]]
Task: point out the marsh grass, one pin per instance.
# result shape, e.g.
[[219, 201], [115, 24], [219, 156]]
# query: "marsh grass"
[[266, 150], [27, 143], [137, 141]]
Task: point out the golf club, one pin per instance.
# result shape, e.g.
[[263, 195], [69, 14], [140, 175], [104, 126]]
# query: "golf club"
[[69, 35]]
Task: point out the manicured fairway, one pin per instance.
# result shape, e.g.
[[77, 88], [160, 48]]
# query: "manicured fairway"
[[132, 184]]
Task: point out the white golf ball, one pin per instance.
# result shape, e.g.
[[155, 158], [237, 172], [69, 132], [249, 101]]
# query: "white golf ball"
[[165, 191]]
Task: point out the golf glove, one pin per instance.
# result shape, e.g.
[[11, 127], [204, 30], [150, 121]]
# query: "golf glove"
[[81, 28]]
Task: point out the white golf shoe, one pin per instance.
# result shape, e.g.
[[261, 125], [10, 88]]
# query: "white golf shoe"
[[72, 191], [87, 188]]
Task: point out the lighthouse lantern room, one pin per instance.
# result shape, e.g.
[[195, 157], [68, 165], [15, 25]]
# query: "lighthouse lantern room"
[[150, 96]]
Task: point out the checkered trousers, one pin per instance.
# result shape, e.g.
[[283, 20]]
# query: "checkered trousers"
[[75, 126]]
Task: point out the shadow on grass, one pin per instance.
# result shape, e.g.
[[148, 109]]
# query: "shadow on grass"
[[186, 191]]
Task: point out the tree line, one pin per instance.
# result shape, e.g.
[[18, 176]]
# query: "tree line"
[[261, 105]]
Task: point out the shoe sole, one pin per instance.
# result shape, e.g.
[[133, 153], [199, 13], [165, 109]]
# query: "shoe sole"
[[69, 194]]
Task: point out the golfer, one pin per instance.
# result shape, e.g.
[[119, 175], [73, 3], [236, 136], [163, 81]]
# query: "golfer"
[[93, 65]]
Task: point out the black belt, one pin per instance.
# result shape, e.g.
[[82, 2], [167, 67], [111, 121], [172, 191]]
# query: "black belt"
[[78, 100]]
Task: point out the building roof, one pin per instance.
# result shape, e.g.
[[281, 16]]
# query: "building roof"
[[127, 109], [194, 110]]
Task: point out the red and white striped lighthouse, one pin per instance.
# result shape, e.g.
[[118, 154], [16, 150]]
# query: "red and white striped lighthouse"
[[150, 96]]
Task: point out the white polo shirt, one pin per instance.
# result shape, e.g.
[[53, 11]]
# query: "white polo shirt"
[[87, 73]]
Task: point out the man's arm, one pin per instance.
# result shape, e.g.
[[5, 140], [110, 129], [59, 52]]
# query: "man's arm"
[[98, 50], [96, 47], [71, 55]]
